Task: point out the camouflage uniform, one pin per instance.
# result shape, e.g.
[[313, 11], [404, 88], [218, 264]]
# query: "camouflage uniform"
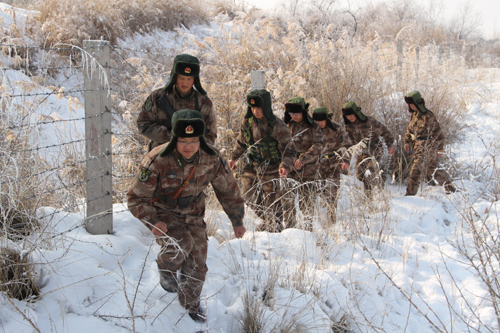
[[335, 143], [154, 121], [368, 130], [308, 140], [160, 194], [425, 136], [270, 147]]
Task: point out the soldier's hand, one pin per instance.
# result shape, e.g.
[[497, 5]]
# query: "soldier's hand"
[[232, 164], [344, 166], [239, 231], [283, 173], [440, 153], [159, 229], [391, 150], [407, 147], [298, 164]]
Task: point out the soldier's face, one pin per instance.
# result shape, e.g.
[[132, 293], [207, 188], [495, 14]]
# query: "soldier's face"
[[297, 117], [321, 123], [413, 107], [184, 84], [351, 118], [187, 147], [258, 112]]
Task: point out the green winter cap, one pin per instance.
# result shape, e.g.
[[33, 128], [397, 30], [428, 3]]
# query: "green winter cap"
[[322, 114], [351, 108], [187, 124], [187, 65], [297, 105], [415, 97], [260, 98]]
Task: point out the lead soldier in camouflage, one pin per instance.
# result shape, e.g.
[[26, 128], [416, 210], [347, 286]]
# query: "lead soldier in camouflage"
[[271, 154], [154, 120], [334, 158], [368, 132], [308, 140], [168, 197], [425, 138]]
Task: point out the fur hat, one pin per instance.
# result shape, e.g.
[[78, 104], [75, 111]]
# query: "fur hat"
[[187, 65], [297, 105], [322, 114], [260, 98], [414, 97], [187, 124], [351, 108]]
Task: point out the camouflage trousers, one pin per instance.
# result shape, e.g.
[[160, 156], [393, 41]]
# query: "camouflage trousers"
[[184, 256], [368, 171], [262, 193], [305, 191], [330, 188], [425, 167]]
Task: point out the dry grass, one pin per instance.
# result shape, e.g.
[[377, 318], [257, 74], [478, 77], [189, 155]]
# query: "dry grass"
[[16, 274]]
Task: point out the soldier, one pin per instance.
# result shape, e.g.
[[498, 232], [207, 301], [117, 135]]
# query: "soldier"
[[333, 157], [427, 141], [308, 140], [154, 120], [271, 156], [368, 131], [168, 197]]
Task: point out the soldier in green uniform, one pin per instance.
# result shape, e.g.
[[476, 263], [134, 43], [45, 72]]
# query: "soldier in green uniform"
[[425, 138], [155, 118], [334, 158], [308, 140], [168, 196], [271, 154], [369, 132]]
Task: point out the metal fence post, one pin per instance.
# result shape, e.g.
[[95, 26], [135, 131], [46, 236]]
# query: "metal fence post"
[[99, 218]]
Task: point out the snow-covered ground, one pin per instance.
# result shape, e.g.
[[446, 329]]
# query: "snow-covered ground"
[[396, 267]]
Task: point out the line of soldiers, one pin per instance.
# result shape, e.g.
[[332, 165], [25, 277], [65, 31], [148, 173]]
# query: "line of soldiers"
[[310, 151]]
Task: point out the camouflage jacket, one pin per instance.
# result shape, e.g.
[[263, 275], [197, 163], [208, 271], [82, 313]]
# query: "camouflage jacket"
[[424, 130], [152, 120], [151, 200], [371, 130], [308, 140], [277, 136], [335, 143]]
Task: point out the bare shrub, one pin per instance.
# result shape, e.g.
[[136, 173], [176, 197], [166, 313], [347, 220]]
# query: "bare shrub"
[[73, 21], [16, 274]]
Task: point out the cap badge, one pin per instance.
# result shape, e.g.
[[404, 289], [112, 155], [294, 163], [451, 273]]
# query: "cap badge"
[[189, 130], [187, 70]]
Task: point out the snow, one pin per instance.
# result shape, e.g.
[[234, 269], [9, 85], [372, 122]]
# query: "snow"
[[396, 268]]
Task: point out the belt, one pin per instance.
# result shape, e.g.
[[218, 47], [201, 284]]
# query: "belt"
[[426, 137], [182, 202], [328, 156]]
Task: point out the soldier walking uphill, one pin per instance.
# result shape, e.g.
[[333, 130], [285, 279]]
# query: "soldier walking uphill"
[[167, 196], [308, 140], [333, 157], [155, 118], [367, 130], [425, 137], [271, 156]]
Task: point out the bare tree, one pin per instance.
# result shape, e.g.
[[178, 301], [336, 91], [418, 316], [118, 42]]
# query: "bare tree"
[[467, 22]]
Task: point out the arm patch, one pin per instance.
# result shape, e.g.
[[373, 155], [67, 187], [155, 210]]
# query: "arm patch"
[[144, 174]]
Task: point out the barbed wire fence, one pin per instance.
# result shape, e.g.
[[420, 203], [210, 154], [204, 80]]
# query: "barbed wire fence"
[[86, 162]]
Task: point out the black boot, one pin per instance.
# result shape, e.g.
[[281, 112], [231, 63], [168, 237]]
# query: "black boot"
[[168, 281], [198, 316]]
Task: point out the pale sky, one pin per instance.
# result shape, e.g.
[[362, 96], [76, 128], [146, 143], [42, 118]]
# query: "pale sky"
[[488, 9]]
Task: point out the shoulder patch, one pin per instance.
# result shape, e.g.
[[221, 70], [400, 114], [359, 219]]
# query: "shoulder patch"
[[148, 104], [144, 174]]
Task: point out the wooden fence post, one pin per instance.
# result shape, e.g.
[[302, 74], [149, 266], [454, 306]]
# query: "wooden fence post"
[[99, 218]]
